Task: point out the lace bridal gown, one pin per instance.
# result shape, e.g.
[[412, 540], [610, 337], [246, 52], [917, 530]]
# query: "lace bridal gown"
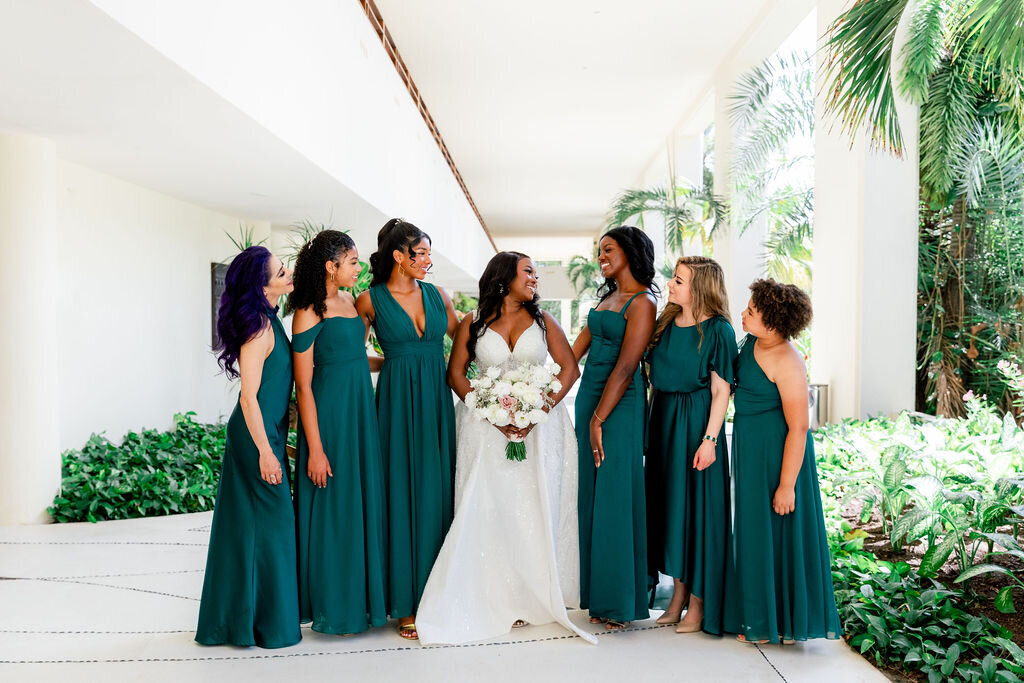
[[513, 549]]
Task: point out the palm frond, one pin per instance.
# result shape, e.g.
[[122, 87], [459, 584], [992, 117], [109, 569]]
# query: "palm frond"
[[990, 165], [947, 117], [925, 47], [995, 29], [858, 87]]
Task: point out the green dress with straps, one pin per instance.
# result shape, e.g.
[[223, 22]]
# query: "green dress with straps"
[[688, 511], [781, 581], [340, 528], [416, 413], [612, 512], [249, 591]]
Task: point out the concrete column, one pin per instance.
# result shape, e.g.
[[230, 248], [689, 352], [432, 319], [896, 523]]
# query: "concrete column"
[[689, 159], [30, 260], [865, 262], [739, 255]]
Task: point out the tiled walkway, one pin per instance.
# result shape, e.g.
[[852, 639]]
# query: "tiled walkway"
[[117, 601]]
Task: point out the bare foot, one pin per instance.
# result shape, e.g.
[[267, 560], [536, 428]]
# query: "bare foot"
[[615, 625]]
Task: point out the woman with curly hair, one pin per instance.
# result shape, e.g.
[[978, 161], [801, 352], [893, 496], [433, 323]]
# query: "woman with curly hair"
[[249, 591], [415, 409], [481, 587], [781, 584], [688, 510], [610, 411], [339, 488]]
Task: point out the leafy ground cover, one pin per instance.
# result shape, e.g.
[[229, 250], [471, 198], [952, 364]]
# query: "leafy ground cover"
[[925, 515], [149, 473]]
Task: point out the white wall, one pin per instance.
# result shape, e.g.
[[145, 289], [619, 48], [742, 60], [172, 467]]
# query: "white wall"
[[320, 80], [133, 319], [865, 262]]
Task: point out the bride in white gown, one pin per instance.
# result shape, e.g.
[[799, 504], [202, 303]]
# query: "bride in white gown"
[[512, 553]]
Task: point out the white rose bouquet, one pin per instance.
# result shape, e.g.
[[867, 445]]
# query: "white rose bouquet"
[[514, 397]]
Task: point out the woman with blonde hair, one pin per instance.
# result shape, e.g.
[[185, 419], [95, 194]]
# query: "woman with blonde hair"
[[691, 356]]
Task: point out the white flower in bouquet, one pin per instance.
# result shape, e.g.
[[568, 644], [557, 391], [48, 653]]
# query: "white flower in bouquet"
[[498, 416], [539, 375], [502, 388], [493, 372], [471, 400], [554, 386], [538, 417]]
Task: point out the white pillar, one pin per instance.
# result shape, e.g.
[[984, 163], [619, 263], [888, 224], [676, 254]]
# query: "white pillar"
[[739, 255], [689, 159], [30, 260], [865, 262]]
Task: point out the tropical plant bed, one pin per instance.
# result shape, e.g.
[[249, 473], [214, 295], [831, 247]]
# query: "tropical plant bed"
[[925, 517], [984, 588]]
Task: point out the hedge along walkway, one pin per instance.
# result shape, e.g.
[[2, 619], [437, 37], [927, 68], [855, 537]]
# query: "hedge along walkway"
[[118, 601]]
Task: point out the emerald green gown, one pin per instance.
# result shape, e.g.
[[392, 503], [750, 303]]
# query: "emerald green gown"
[[781, 583], [340, 528], [250, 594], [612, 513], [416, 413], [688, 511]]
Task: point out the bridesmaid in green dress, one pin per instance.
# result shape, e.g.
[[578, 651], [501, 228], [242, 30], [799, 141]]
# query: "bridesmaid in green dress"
[[415, 409], [781, 589], [688, 510], [249, 591], [339, 488], [610, 411]]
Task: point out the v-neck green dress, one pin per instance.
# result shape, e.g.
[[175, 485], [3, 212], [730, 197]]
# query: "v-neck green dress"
[[416, 412], [781, 584], [340, 528], [250, 588], [688, 511], [612, 512]]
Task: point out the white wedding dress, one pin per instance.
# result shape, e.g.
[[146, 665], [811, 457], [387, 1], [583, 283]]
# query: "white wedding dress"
[[513, 548]]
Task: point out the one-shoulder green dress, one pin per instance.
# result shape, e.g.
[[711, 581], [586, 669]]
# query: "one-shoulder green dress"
[[250, 594], [781, 584], [340, 528], [612, 512], [416, 413], [688, 511]]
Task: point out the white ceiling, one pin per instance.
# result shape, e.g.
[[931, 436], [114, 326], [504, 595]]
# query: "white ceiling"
[[551, 107]]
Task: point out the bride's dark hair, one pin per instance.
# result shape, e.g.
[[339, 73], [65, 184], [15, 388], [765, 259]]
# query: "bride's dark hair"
[[501, 270]]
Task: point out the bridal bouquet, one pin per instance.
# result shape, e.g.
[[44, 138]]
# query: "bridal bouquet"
[[514, 397]]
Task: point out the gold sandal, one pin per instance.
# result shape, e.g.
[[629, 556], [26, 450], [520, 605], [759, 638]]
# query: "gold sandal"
[[615, 625], [408, 631]]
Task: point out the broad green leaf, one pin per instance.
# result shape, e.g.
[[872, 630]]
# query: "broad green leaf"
[[980, 569], [894, 474], [937, 554], [1004, 600]]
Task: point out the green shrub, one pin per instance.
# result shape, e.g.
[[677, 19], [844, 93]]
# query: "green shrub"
[[150, 473], [898, 618]]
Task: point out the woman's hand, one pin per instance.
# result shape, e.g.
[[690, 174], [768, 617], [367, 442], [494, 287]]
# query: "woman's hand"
[[508, 431], [318, 469], [705, 456], [784, 500], [270, 468], [596, 441]]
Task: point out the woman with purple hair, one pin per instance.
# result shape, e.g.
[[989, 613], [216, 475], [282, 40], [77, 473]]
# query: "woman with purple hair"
[[250, 593]]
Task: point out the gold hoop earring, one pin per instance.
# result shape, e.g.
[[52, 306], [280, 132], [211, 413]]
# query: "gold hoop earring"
[[401, 270], [332, 277]]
